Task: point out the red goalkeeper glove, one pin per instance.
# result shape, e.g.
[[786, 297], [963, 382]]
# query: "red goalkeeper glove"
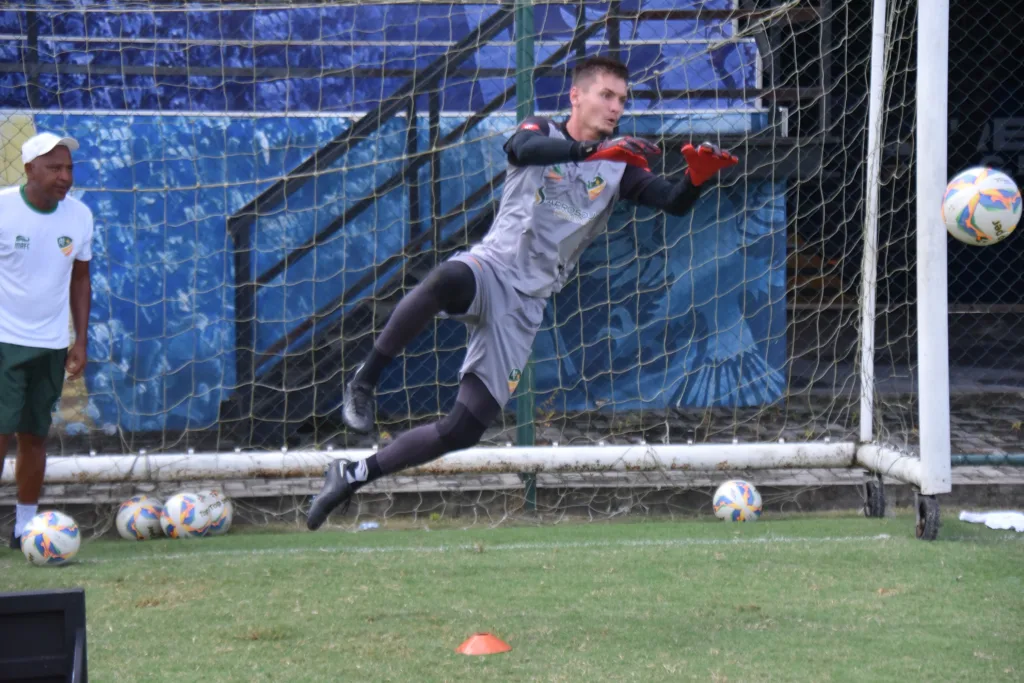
[[626, 150], [705, 161]]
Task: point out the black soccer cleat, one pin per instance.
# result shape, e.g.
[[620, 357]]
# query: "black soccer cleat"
[[357, 406], [15, 541], [335, 492]]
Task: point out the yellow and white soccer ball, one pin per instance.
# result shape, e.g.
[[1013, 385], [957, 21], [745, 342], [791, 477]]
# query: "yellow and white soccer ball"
[[138, 518], [185, 516], [737, 501], [981, 206], [50, 538], [219, 509]]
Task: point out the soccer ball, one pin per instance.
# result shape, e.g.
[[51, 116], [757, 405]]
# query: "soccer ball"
[[737, 501], [219, 509], [134, 499], [138, 518], [184, 516], [50, 538], [981, 206]]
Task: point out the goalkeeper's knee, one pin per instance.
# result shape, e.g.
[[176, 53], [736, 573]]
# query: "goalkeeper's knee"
[[452, 286], [460, 429]]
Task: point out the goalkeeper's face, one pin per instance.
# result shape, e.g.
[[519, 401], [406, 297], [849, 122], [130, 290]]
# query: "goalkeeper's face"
[[598, 103]]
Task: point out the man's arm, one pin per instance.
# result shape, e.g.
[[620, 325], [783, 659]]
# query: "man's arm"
[[647, 189], [643, 187], [81, 298], [531, 145]]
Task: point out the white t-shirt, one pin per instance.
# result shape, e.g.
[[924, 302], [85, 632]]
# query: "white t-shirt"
[[37, 252]]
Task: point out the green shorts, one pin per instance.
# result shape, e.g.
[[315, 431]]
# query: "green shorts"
[[31, 382]]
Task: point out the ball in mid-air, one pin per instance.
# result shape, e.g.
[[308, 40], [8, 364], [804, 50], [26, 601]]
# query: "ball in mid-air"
[[981, 206]]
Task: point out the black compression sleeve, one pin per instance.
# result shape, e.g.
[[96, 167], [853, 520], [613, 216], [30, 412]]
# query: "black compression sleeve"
[[531, 145], [533, 149], [643, 187]]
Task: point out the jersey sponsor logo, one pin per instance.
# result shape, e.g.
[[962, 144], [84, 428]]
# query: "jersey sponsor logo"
[[64, 242], [594, 187], [554, 173], [562, 210], [513, 380], [529, 126], [22, 242]]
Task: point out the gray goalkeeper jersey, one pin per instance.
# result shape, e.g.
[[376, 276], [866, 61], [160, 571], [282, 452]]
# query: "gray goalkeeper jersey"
[[547, 216]]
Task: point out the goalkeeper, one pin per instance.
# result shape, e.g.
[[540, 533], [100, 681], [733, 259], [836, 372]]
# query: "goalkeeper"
[[562, 184]]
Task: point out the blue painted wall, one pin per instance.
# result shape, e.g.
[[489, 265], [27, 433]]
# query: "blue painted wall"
[[699, 300]]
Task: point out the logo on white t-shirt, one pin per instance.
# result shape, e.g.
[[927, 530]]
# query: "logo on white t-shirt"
[[64, 242], [22, 242]]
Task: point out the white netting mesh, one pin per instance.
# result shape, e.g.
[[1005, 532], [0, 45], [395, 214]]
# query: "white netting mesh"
[[267, 181]]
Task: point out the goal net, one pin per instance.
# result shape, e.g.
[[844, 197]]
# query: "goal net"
[[268, 181]]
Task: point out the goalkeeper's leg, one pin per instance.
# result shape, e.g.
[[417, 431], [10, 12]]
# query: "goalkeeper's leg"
[[450, 288], [474, 410], [499, 346]]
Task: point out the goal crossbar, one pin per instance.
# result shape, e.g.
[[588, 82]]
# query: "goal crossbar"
[[284, 464]]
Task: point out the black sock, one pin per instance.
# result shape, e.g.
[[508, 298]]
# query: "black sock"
[[475, 409], [361, 472], [372, 367]]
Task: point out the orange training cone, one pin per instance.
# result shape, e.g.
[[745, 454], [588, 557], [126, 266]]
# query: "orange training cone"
[[483, 644]]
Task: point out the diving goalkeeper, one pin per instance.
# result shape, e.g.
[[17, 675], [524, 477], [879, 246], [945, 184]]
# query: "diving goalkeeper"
[[562, 184]]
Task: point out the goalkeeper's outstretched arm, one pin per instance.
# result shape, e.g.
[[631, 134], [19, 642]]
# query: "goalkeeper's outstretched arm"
[[531, 145], [647, 189], [676, 198]]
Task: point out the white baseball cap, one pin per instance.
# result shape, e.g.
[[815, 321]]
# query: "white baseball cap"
[[38, 145]]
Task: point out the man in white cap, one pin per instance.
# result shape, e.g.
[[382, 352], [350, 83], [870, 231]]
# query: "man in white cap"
[[45, 247]]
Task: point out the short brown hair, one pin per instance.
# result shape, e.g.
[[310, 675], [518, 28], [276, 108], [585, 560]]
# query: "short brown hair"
[[591, 66]]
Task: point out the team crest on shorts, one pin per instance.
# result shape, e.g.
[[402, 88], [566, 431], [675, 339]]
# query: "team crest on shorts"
[[65, 245], [513, 380]]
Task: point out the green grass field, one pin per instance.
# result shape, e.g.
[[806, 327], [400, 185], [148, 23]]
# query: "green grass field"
[[806, 598]]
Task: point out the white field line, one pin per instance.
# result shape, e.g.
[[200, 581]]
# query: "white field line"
[[481, 547]]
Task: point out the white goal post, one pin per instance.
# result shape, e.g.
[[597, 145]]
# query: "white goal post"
[[930, 471]]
